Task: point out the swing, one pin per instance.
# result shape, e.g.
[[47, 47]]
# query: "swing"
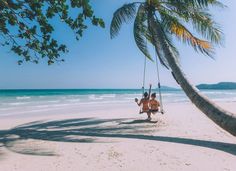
[[159, 86]]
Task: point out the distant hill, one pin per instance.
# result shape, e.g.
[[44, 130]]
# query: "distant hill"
[[219, 86], [168, 88]]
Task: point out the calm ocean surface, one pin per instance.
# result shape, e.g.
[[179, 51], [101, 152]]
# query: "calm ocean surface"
[[18, 100]]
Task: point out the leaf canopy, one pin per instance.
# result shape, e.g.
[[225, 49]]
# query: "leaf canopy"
[[172, 18], [26, 26]]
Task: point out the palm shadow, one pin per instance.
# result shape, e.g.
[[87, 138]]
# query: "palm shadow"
[[92, 130]]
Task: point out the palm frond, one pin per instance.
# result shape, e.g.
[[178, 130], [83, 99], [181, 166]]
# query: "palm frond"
[[173, 25], [123, 15], [200, 18], [182, 33], [204, 24], [193, 3], [140, 31]]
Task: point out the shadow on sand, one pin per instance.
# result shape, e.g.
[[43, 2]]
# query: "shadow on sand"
[[88, 130]]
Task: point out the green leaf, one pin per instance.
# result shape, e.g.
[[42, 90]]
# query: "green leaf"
[[123, 15], [140, 31]]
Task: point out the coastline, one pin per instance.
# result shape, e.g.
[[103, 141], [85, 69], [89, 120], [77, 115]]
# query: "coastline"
[[115, 137]]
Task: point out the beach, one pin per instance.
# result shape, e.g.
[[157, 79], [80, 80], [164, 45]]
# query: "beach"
[[114, 136], [77, 76]]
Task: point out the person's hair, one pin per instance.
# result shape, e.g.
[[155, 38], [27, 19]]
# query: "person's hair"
[[153, 95], [145, 94]]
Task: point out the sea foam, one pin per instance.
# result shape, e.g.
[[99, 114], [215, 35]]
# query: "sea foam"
[[23, 97]]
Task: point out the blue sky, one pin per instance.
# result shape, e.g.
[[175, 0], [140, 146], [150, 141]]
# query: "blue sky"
[[96, 61]]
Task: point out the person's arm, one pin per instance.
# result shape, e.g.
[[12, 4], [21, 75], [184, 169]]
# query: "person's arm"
[[138, 103], [141, 101], [150, 90]]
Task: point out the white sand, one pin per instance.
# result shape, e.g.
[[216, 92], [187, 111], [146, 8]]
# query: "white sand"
[[116, 138]]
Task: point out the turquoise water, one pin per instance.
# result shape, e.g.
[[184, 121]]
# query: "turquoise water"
[[20, 100], [51, 92]]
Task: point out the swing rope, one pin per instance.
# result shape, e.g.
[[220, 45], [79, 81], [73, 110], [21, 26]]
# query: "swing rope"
[[159, 84], [144, 79], [144, 75]]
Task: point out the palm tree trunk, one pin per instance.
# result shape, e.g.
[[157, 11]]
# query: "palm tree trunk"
[[221, 117]]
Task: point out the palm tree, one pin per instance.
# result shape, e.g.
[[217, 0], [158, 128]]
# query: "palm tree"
[[156, 21]]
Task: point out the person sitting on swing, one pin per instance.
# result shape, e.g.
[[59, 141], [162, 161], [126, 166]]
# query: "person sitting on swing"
[[154, 104], [145, 104]]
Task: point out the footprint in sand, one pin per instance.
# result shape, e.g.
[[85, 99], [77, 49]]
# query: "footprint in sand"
[[188, 164], [112, 154]]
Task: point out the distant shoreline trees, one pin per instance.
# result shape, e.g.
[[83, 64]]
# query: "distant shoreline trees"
[[218, 86]]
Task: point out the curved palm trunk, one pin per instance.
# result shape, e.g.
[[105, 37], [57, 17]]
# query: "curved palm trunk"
[[221, 117]]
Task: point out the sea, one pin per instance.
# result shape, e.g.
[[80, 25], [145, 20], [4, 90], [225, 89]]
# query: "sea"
[[23, 101]]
